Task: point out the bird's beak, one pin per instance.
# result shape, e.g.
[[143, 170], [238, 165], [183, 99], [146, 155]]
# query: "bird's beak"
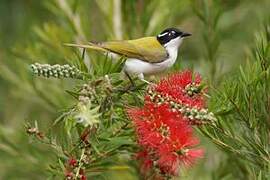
[[186, 34]]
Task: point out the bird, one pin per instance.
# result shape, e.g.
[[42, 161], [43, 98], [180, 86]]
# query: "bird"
[[144, 56]]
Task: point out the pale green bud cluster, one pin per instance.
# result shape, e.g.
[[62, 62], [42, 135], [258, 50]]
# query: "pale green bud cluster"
[[194, 115], [86, 113], [57, 71], [86, 94], [197, 116]]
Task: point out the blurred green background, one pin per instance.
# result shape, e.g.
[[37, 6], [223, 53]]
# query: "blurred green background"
[[33, 31]]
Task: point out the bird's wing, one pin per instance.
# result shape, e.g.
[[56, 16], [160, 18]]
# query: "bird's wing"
[[147, 49]]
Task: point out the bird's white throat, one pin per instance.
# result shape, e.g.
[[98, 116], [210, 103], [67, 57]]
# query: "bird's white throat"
[[172, 49]]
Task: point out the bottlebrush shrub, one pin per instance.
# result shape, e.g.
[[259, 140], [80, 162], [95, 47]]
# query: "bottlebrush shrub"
[[98, 136]]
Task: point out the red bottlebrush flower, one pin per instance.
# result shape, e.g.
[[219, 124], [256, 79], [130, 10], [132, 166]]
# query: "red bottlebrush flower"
[[83, 177], [170, 160], [180, 87], [69, 175], [72, 162], [82, 174], [165, 135], [146, 162], [151, 124], [191, 155]]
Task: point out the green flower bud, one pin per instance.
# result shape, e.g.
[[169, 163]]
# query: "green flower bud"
[[57, 71]]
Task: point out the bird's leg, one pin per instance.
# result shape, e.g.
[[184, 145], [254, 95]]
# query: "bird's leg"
[[133, 86], [83, 54], [141, 77]]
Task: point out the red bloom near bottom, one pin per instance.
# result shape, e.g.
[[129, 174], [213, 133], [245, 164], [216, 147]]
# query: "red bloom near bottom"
[[165, 137]]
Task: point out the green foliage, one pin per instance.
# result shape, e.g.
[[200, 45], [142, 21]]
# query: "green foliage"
[[209, 13], [242, 107], [96, 128]]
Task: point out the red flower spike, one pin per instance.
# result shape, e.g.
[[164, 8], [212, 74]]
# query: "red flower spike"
[[146, 162], [72, 162], [175, 85], [171, 161], [83, 177], [191, 155], [69, 175], [82, 174], [166, 136]]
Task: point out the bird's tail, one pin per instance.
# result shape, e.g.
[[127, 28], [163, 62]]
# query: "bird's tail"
[[87, 46]]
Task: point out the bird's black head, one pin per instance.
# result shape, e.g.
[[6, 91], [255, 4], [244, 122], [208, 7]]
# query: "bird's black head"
[[169, 34]]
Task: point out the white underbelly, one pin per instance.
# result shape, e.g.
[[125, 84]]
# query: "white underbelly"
[[135, 66]]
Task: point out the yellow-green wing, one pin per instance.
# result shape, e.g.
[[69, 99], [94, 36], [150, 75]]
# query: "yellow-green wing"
[[146, 49]]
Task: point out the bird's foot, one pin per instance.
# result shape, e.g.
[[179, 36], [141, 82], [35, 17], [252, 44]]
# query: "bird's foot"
[[148, 82], [141, 77]]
